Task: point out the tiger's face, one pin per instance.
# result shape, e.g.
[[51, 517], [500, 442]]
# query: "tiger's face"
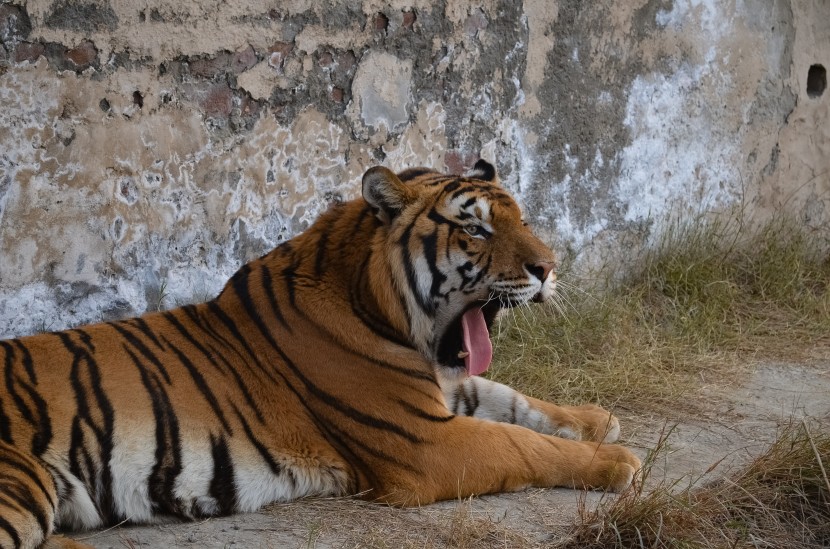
[[460, 253]]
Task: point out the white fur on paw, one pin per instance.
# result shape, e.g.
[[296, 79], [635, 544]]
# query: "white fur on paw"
[[613, 432]]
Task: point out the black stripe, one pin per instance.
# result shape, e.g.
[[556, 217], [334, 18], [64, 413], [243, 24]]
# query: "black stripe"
[[354, 462], [349, 411], [27, 360], [85, 338], [199, 380], [482, 271], [451, 186], [142, 348], [275, 467], [171, 318], [243, 293], [358, 225], [414, 374], [43, 433], [232, 328], [26, 469], [326, 397], [471, 399], [145, 329], [412, 173], [103, 433], [5, 426], [414, 410], [430, 244], [289, 277], [425, 304], [168, 464], [206, 327], [64, 489], [268, 287], [438, 180], [11, 531], [8, 374], [222, 486], [369, 450], [320, 258], [459, 390], [439, 219], [24, 498], [43, 426], [371, 319], [210, 356], [357, 464]]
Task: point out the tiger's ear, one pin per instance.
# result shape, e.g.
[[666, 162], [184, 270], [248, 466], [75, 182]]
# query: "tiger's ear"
[[386, 193], [483, 171]]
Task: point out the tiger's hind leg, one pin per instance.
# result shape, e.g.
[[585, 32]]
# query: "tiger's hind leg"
[[479, 397], [28, 503]]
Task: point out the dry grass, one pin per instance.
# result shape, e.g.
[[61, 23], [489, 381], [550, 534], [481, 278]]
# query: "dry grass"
[[697, 306], [350, 523], [781, 500]]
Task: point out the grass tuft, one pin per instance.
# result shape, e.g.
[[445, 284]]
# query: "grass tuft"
[[781, 499], [705, 298]]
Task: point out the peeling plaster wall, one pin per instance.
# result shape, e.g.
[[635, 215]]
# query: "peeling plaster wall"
[[148, 149]]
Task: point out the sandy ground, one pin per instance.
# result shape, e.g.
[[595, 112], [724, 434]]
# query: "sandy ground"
[[736, 424]]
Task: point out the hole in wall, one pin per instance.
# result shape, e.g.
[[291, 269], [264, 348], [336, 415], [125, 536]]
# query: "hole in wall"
[[138, 99], [816, 80]]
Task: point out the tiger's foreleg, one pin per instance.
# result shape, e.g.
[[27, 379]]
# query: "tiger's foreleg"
[[28, 503], [467, 456], [481, 398]]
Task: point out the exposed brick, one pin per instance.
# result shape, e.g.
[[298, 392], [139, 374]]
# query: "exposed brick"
[[210, 66], [336, 95], [381, 22], [82, 56], [243, 60], [284, 48], [346, 61], [28, 52], [218, 101], [409, 18], [475, 22], [326, 60], [459, 161], [278, 53]]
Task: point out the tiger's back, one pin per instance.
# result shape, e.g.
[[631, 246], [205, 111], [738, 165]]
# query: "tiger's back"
[[312, 373]]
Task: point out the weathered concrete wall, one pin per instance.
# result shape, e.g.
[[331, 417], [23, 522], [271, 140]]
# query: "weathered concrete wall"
[[147, 149]]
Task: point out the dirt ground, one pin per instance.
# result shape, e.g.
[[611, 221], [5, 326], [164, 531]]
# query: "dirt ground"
[[738, 422]]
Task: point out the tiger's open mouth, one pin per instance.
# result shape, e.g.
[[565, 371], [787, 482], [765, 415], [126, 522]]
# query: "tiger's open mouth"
[[466, 343]]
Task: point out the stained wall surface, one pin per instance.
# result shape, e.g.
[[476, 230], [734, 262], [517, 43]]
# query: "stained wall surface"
[[149, 148]]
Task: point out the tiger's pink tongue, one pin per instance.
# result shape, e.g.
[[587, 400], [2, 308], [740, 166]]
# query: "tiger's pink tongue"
[[476, 342]]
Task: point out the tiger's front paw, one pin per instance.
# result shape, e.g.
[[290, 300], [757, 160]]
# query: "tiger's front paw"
[[612, 467], [594, 423]]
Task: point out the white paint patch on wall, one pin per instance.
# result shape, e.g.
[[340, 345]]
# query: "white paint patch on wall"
[[682, 156], [679, 161]]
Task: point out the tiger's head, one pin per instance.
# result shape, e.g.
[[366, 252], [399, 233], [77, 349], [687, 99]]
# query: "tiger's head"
[[459, 253]]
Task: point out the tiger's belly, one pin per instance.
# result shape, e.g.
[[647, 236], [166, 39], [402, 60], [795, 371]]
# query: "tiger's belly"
[[201, 476]]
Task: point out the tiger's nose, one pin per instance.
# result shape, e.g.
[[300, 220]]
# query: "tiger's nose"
[[541, 269]]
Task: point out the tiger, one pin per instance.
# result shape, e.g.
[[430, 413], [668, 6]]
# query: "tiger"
[[346, 361]]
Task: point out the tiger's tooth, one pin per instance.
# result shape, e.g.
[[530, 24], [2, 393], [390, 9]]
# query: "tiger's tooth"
[[463, 354]]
